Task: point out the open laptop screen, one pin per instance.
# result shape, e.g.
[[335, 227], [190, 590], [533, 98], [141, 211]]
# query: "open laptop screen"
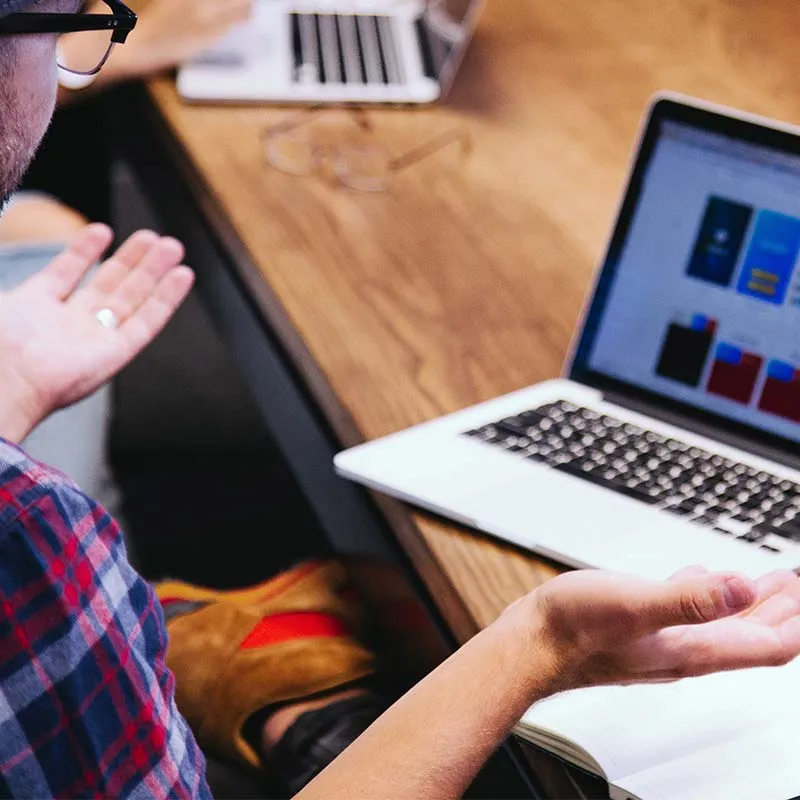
[[699, 299]]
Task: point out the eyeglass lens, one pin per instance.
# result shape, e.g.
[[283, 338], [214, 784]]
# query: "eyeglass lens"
[[85, 52]]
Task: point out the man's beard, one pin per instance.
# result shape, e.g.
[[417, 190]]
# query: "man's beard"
[[15, 153], [16, 148]]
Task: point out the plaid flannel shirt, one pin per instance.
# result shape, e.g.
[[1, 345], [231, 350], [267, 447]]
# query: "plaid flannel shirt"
[[87, 703]]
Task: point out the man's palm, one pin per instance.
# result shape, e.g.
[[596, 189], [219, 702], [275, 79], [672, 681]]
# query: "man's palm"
[[53, 350]]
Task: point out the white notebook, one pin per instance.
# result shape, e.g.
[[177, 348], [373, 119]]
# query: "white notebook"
[[730, 736]]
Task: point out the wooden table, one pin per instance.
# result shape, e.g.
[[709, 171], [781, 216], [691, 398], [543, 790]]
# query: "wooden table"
[[460, 284]]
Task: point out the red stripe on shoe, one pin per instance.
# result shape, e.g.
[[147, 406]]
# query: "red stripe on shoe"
[[296, 625]]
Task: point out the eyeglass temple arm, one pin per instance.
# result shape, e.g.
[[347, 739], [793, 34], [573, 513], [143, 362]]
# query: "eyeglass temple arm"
[[295, 121], [427, 149], [119, 27], [308, 114]]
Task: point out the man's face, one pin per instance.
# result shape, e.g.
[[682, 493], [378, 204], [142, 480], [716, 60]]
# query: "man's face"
[[28, 85]]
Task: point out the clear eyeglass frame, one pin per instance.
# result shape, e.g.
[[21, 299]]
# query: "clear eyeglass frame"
[[362, 168]]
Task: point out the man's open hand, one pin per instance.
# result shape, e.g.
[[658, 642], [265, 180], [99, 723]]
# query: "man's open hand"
[[53, 350], [603, 628]]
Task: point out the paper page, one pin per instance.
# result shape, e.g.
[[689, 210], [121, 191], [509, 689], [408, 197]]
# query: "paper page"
[[762, 766], [628, 729]]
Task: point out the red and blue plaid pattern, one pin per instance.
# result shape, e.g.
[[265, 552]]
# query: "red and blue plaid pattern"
[[87, 703]]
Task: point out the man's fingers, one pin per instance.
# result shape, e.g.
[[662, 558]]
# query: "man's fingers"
[[688, 572], [142, 280], [779, 599], [694, 600], [234, 10], [773, 583], [735, 644], [65, 271], [112, 272], [723, 659], [777, 609], [150, 317], [767, 586], [789, 635]]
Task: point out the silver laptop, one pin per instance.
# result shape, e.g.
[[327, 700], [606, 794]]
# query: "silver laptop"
[[674, 438], [337, 51]]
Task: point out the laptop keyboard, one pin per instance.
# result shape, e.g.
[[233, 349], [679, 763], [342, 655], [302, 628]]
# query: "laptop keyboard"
[[731, 498], [346, 49]]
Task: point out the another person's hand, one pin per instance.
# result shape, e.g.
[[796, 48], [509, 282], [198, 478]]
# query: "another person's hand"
[[602, 628], [53, 349], [170, 32]]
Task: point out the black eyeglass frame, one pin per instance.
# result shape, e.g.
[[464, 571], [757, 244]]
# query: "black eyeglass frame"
[[121, 21]]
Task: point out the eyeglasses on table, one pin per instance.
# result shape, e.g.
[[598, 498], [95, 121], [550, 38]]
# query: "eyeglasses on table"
[[291, 148]]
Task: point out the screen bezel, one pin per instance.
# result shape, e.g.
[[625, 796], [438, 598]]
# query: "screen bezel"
[[763, 133]]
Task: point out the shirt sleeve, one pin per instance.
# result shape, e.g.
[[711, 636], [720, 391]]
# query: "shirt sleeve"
[[87, 703]]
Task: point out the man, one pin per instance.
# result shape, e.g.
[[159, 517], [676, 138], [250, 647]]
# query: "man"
[[36, 226], [86, 702]]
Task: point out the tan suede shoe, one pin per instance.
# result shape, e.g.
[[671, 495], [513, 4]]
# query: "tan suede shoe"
[[232, 658]]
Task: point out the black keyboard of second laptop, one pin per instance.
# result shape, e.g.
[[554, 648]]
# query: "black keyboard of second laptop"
[[346, 49], [733, 498]]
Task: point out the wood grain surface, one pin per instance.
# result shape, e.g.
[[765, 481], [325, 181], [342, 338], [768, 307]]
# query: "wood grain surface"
[[465, 279]]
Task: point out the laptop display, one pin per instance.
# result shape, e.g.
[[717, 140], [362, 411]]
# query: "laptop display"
[[699, 299]]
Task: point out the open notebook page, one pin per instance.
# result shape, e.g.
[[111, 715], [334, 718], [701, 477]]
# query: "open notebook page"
[[762, 766], [628, 729]]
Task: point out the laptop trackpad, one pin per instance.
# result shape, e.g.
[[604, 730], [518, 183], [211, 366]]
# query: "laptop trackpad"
[[586, 524]]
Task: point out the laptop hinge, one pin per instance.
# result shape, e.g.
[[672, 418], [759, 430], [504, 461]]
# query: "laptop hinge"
[[702, 428]]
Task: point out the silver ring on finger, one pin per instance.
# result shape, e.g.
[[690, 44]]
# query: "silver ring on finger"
[[107, 318]]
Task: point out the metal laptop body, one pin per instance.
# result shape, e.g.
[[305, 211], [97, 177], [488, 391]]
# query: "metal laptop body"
[[336, 51], [700, 273]]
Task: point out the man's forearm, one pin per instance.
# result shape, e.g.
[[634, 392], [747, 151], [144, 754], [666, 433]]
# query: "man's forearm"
[[18, 415], [14, 424], [434, 740]]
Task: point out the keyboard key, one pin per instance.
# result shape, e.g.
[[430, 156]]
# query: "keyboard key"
[[767, 529], [535, 456], [514, 425], [733, 526]]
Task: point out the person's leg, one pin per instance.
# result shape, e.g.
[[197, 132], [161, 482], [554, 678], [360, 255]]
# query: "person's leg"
[[35, 218], [299, 740], [33, 230]]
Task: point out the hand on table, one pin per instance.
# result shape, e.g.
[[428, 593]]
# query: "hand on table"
[[604, 628], [169, 32], [53, 350]]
